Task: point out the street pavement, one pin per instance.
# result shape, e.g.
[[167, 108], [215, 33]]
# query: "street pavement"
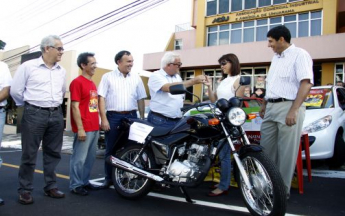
[[325, 195]]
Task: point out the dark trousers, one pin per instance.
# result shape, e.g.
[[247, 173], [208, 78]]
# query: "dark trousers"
[[46, 126], [114, 120]]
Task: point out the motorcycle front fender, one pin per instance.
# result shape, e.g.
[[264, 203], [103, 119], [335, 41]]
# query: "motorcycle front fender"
[[250, 148]]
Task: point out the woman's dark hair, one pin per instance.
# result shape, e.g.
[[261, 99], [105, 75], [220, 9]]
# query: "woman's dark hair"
[[83, 58], [120, 54], [280, 31], [235, 64]]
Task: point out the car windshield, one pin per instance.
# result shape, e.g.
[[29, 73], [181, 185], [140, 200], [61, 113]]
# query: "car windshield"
[[319, 99]]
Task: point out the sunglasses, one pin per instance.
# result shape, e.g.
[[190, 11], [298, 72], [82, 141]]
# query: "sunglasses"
[[223, 63]]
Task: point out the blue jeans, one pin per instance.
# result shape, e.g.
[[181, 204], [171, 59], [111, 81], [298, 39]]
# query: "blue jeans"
[[2, 124], [225, 167], [82, 159], [161, 121], [114, 120]]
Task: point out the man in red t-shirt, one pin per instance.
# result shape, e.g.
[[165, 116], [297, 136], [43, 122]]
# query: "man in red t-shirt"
[[85, 125]]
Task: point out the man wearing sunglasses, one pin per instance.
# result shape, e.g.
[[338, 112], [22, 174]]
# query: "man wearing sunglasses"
[[40, 85], [165, 108]]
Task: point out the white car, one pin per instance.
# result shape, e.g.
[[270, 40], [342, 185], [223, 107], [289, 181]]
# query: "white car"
[[325, 122]]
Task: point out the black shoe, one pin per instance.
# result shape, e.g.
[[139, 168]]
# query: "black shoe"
[[106, 184], [91, 187], [80, 191], [2, 202], [25, 198]]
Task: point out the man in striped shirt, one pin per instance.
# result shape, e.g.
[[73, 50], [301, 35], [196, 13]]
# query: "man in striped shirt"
[[288, 82], [121, 93]]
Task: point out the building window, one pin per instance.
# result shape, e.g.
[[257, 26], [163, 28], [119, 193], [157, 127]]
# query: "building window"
[[187, 75], [300, 25], [211, 8], [178, 44], [339, 72], [258, 76], [223, 6]]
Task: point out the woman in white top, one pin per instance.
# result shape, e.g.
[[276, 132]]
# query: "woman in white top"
[[230, 82]]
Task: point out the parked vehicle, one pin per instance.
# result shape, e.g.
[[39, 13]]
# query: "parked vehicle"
[[182, 156], [325, 122]]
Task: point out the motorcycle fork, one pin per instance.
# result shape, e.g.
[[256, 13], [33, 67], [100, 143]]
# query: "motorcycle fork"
[[237, 158]]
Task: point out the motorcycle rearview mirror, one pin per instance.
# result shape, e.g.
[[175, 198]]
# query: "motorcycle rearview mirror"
[[244, 80], [180, 89]]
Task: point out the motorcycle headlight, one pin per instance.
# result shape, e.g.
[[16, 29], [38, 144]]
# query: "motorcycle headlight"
[[236, 116], [318, 125]]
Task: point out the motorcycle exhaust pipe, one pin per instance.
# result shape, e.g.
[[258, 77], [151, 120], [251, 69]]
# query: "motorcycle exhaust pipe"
[[116, 162]]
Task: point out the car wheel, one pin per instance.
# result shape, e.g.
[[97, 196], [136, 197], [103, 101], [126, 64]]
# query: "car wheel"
[[338, 158]]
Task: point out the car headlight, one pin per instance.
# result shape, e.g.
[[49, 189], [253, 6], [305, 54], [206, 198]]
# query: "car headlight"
[[318, 125], [236, 116]]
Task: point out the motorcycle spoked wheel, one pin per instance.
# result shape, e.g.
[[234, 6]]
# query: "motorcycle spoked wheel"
[[268, 196], [129, 185]]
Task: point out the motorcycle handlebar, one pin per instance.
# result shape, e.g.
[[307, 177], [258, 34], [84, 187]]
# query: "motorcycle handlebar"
[[186, 108]]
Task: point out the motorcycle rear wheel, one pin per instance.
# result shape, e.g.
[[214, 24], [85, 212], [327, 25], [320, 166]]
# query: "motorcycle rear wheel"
[[129, 185], [268, 195]]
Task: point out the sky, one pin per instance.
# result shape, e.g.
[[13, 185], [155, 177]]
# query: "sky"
[[26, 22]]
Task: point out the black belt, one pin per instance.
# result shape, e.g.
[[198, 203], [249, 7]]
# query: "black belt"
[[163, 116], [277, 100], [122, 112], [43, 108]]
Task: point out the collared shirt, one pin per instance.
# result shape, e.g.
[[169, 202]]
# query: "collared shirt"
[[121, 93], [163, 102], [37, 84], [287, 71], [5, 79]]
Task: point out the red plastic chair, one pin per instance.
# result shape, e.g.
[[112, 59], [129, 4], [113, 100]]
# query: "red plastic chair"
[[299, 163]]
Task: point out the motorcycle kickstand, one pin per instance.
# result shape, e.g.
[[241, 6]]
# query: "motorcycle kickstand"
[[184, 191]]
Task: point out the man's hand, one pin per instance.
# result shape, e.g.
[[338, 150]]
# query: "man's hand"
[[81, 135], [262, 110], [199, 79], [105, 125], [291, 117]]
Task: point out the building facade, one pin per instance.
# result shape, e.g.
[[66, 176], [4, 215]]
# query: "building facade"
[[240, 27]]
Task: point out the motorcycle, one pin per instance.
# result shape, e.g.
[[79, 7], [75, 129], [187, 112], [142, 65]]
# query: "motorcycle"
[[183, 154]]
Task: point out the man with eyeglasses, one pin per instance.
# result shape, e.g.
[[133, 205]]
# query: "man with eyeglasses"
[[165, 108], [40, 85]]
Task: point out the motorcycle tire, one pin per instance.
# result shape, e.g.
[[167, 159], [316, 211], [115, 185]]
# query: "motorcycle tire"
[[129, 185], [268, 196]]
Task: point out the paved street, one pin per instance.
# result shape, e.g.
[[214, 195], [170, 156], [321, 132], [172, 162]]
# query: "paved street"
[[323, 196]]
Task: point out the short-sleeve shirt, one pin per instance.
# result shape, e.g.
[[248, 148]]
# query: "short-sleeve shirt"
[[287, 71], [121, 93], [163, 102], [5, 79], [84, 91]]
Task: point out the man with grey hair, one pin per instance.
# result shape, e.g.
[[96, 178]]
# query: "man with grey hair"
[[40, 85], [165, 108]]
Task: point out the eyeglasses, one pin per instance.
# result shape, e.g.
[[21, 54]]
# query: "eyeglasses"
[[223, 63], [60, 49], [179, 64]]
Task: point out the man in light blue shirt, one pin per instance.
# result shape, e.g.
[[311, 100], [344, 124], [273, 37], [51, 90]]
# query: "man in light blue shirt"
[[165, 108]]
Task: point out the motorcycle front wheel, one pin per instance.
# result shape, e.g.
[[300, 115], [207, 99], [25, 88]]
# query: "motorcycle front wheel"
[[129, 185], [267, 195]]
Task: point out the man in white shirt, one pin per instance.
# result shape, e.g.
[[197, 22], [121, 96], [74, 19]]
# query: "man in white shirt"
[[39, 85], [288, 82], [165, 108], [5, 82], [121, 93]]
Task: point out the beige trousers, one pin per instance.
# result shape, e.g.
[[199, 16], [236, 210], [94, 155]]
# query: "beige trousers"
[[281, 142]]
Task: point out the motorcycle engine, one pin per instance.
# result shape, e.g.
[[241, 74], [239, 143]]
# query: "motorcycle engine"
[[187, 170]]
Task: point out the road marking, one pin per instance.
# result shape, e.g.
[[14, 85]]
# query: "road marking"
[[326, 173], [36, 170]]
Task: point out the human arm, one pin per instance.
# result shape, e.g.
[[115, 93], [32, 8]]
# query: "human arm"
[[197, 80], [18, 85], [4, 93], [263, 108], [141, 108], [239, 88], [104, 121], [77, 119], [302, 93]]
